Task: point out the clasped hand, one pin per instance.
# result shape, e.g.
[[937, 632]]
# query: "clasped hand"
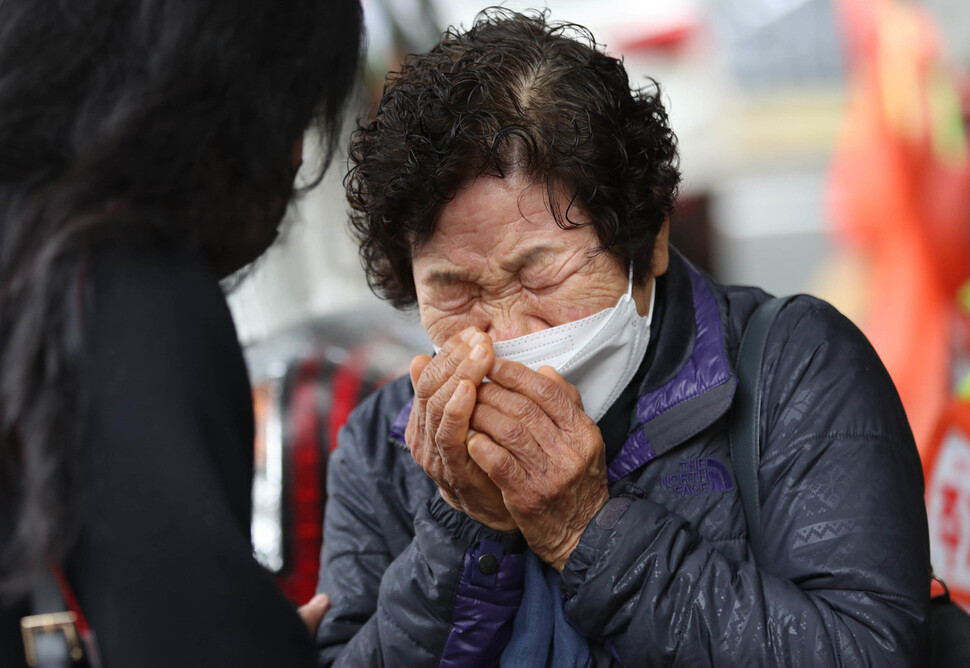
[[517, 452]]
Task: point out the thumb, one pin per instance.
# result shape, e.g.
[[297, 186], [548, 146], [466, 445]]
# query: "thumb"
[[568, 387], [312, 612], [417, 368]]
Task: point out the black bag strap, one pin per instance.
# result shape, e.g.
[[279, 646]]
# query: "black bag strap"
[[745, 433]]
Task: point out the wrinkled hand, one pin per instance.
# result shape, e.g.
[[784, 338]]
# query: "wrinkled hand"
[[444, 398], [543, 452], [312, 612]]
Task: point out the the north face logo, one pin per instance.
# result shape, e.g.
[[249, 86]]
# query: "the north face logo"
[[698, 476]]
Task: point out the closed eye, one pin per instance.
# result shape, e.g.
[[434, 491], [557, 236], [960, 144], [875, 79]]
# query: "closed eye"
[[542, 281], [450, 296]]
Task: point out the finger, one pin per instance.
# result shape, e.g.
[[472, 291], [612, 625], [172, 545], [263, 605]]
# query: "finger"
[[418, 365], [508, 432], [312, 612], [453, 428], [421, 446], [479, 360], [518, 406], [435, 373], [497, 462], [416, 419], [444, 365], [431, 397], [571, 391], [456, 340], [472, 369], [544, 391]]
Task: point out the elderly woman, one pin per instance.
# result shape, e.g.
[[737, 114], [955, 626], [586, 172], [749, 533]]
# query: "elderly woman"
[[554, 486]]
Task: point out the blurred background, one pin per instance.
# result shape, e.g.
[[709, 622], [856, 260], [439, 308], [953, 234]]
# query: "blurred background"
[[824, 150]]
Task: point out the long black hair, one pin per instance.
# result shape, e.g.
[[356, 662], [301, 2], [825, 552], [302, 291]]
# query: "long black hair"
[[118, 117]]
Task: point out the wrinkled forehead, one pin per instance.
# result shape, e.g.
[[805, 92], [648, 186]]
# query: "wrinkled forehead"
[[506, 222]]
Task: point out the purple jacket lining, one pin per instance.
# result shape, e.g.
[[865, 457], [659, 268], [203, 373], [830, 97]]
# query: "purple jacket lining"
[[706, 369], [485, 608], [400, 424]]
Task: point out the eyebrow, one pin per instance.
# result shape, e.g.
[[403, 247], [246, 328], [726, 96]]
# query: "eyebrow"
[[445, 277], [528, 257]]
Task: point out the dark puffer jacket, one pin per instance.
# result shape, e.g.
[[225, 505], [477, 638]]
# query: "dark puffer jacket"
[[663, 575]]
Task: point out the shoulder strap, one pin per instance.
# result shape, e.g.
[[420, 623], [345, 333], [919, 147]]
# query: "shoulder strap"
[[745, 434]]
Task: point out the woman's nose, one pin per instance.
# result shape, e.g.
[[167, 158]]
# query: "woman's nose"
[[505, 326]]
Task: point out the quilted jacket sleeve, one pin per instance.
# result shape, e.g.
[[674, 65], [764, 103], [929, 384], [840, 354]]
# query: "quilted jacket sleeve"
[[408, 600], [842, 576]]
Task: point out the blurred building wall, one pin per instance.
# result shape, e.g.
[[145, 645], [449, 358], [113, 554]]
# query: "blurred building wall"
[[755, 94]]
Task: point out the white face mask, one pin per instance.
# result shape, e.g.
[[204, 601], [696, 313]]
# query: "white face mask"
[[599, 354]]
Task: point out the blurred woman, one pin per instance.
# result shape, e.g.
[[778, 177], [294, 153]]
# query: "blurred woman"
[[147, 149]]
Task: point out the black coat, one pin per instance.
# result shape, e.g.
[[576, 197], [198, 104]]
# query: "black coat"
[[664, 574], [164, 569]]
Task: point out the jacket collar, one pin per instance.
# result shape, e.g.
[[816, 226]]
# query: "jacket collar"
[[400, 424], [690, 383]]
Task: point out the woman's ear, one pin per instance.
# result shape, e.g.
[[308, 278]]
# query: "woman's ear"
[[658, 266], [296, 154], [661, 250]]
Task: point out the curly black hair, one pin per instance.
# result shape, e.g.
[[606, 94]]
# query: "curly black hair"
[[131, 122], [514, 94]]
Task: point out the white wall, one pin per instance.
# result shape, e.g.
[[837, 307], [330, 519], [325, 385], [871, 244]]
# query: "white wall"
[[312, 270]]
